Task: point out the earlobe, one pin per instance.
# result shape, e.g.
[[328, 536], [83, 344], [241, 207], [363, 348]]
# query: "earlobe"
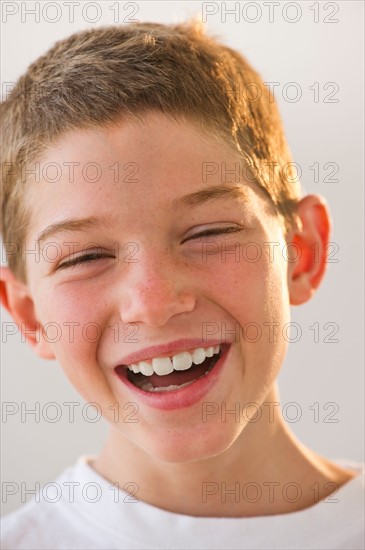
[[308, 247], [16, 298]]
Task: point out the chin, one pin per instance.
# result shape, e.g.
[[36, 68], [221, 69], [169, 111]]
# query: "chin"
[[191, 446]]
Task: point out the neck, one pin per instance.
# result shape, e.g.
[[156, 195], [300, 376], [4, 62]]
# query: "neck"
[[265, 471]]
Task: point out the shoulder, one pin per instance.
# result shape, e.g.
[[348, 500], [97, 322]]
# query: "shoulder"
[[40, 525], [48, 516], [25, 528], [343, 506]]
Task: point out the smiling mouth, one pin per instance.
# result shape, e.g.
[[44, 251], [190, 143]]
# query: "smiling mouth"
[[172, 381]]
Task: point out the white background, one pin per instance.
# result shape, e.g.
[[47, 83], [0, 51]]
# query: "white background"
[[304, 52]]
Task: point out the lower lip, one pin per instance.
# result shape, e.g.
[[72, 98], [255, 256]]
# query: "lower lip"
[[180, 398]]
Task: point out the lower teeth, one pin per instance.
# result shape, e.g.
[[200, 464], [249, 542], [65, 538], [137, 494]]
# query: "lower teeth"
[[148, 387]]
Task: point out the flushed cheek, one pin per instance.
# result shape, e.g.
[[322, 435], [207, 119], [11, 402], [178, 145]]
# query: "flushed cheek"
[[74, 325], [253, 294], [246, 289]]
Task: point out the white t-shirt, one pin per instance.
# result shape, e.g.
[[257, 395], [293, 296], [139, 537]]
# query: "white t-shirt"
[[88, 512]]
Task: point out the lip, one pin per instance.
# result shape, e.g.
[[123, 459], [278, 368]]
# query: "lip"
[[165, 350], [184, 397]]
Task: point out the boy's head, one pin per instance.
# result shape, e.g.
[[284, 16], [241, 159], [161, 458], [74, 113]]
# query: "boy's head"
[[138, 133]]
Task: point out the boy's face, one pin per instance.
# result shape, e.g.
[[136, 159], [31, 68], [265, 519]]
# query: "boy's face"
[[165, 285]]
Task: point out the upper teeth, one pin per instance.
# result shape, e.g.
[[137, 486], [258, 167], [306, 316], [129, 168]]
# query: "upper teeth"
[[180, 361]]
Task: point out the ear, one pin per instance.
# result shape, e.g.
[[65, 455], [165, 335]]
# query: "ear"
[[16, 298], [309, 247]]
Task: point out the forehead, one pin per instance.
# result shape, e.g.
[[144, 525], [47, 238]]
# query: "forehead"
[[138, 165], [156, 142]]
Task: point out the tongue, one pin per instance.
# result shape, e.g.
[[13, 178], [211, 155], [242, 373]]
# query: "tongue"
[[175, 378]]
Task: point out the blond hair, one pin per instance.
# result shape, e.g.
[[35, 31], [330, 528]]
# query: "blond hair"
[[95, 76]]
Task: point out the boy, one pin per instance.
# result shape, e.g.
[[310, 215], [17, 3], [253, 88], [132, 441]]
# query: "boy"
[[156, 246]]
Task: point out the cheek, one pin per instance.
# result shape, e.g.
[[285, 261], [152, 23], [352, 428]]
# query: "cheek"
[[252, 290], [254, 294], [79, 315]]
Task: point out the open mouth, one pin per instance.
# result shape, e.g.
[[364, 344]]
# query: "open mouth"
[[172, 381]]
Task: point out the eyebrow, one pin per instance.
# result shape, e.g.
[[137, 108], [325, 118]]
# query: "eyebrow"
[[71, 225], [217, 192]]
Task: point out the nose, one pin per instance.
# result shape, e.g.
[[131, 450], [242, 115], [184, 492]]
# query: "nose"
[[155, 290]]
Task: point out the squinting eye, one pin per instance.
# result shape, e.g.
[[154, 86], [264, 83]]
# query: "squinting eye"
[[216, 231], [86, 258], [94, 256]]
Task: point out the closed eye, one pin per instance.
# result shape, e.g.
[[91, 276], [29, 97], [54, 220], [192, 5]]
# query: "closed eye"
[[94, 256], [216, 231], [86, 258]]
